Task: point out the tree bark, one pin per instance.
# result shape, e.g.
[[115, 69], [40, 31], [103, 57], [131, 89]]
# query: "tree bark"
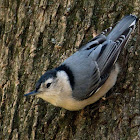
[[39, 35]]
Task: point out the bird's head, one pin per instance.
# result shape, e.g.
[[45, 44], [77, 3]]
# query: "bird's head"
[[51, 85], [46, 84]]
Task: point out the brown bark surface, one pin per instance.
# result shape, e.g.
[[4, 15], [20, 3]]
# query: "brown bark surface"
[[39, 35]]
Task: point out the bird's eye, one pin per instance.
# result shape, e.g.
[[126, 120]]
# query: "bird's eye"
[[48, 85]]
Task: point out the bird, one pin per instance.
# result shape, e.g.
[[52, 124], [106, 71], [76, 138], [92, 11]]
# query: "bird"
[[89, 73]]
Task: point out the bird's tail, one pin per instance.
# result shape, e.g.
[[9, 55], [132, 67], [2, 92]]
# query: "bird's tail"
[[125, 23]]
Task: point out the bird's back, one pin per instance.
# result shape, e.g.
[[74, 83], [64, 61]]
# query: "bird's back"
[[91, 65]]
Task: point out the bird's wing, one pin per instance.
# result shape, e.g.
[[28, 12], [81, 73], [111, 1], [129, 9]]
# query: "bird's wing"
[[103, 59], [106, 55], [103, 52]]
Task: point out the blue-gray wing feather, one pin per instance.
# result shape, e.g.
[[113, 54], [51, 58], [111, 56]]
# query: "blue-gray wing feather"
[[91, 65]]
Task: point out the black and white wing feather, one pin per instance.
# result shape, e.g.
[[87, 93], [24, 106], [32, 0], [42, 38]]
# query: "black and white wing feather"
[[106, 55], [104, 51]]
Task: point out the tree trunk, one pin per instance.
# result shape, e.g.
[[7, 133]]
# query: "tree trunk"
[[39, 35]]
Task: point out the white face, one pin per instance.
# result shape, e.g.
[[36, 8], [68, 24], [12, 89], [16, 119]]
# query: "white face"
[[53, 90], [48, 87]]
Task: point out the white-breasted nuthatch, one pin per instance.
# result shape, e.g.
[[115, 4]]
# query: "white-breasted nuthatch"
[[88, 74]]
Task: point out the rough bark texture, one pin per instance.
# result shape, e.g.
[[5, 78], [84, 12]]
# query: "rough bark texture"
[[38, 35]]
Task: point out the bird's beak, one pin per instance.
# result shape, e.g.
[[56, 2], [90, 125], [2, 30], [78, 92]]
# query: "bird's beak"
[[31, 93]]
